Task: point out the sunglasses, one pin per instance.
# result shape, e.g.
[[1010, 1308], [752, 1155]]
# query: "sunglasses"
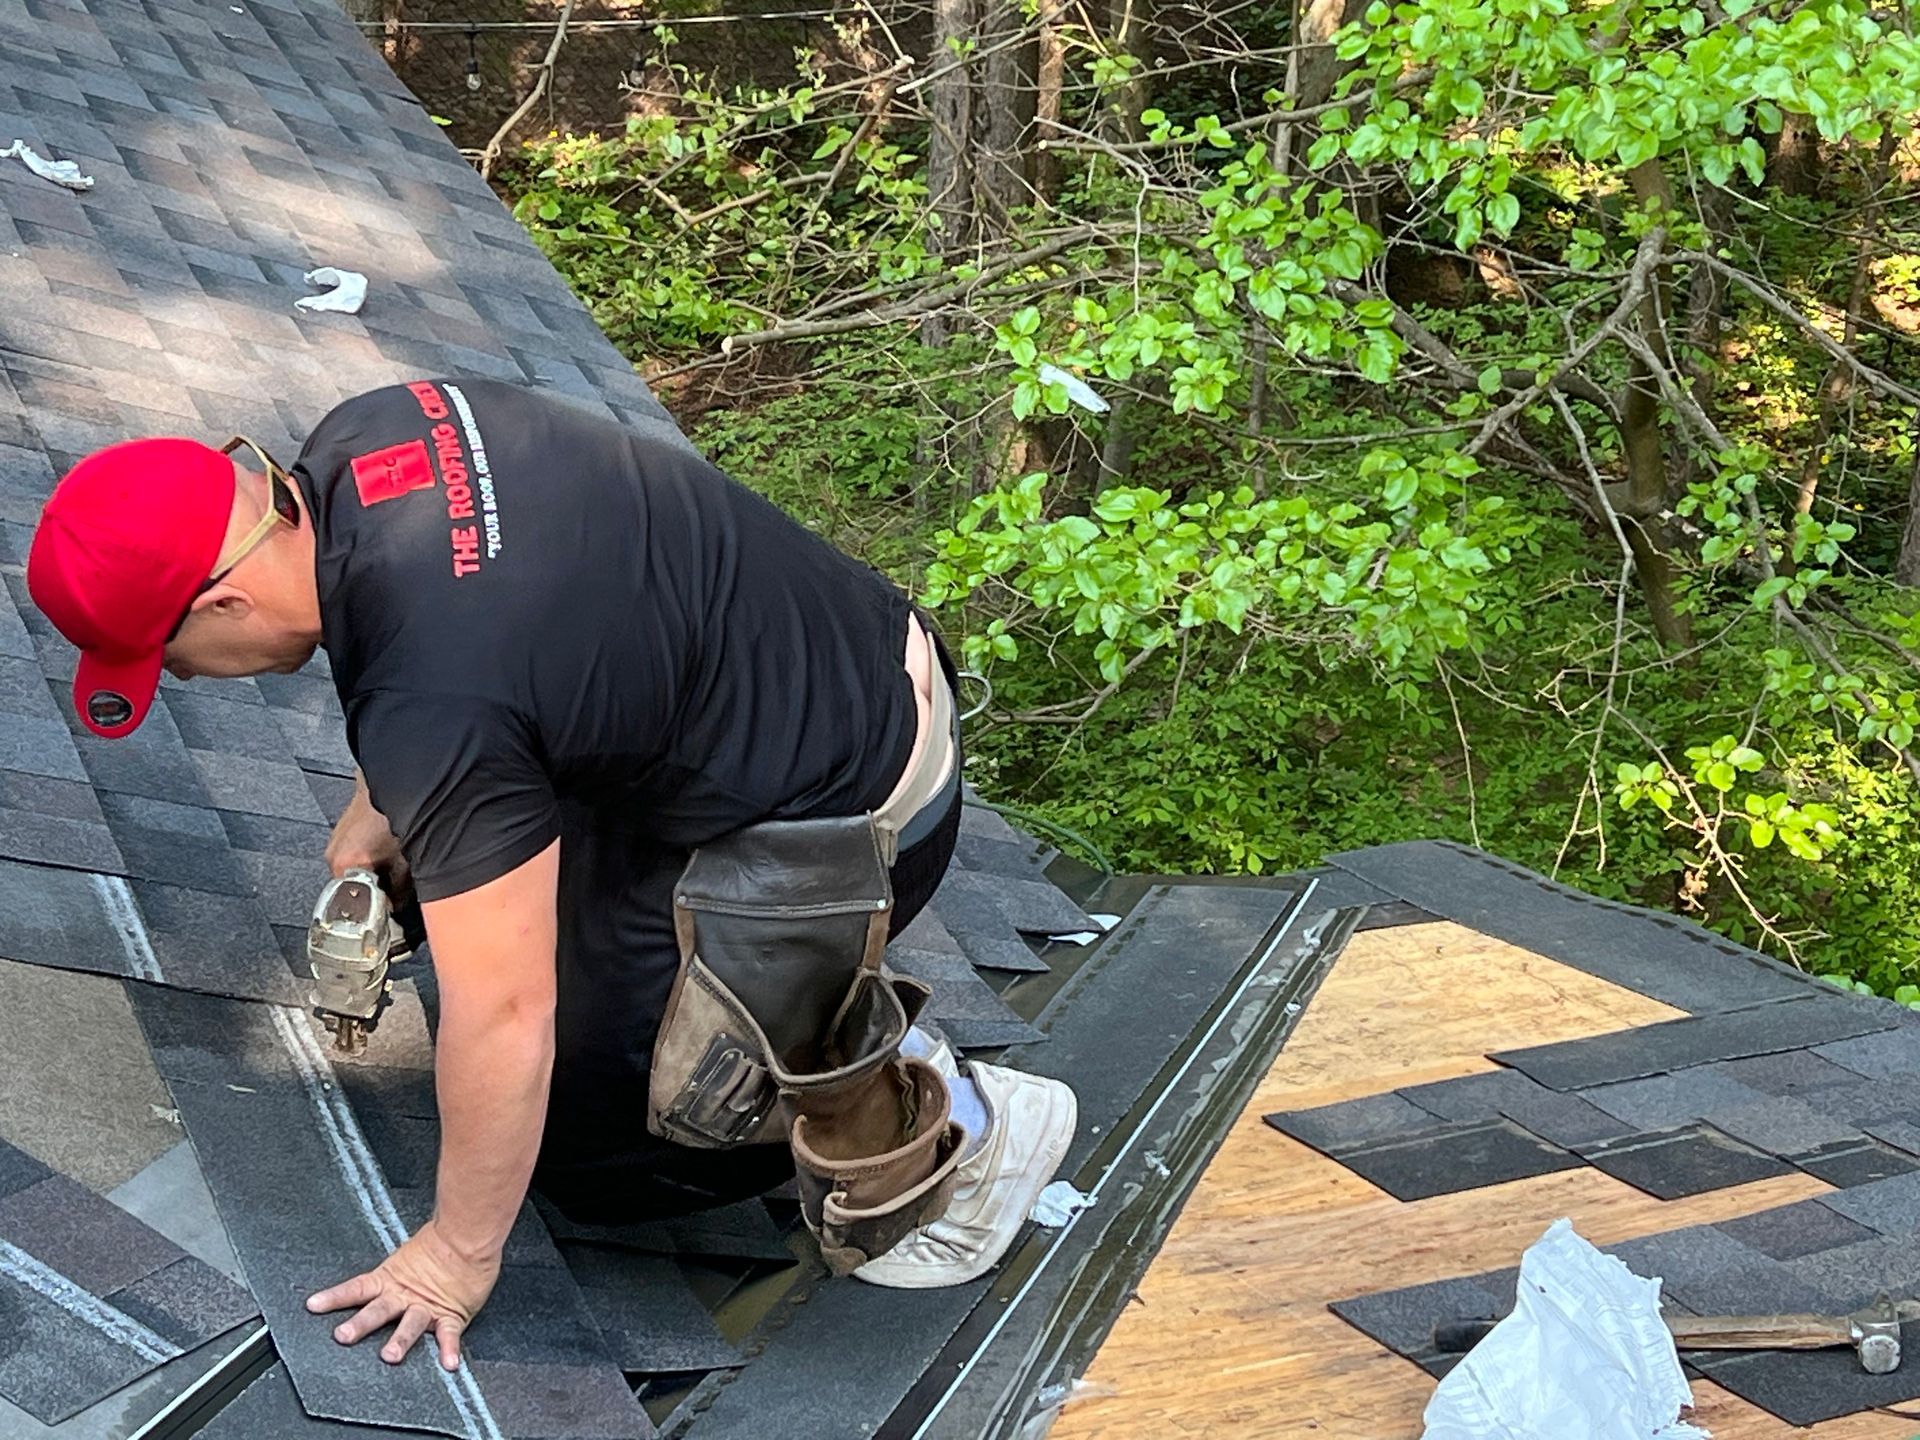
[[283, 509]]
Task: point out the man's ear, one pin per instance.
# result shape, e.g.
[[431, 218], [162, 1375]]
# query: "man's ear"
[[226, 600]]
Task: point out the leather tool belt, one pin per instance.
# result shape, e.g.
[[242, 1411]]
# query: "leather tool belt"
[[782, 989]]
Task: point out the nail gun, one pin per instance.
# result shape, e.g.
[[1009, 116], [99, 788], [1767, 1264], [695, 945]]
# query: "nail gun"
[[352, 941]]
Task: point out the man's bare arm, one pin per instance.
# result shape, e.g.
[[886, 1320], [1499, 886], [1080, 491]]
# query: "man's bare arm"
[[493, 952]]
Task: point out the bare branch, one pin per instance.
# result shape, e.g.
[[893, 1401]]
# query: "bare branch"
[[543, 78]]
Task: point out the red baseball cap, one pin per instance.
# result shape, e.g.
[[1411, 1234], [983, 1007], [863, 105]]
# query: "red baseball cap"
[[124, 544]]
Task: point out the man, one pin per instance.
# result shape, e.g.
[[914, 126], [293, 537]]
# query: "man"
[[664, 769]]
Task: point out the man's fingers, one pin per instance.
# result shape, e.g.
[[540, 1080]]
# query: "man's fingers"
[[413, 1324], [449, 1331], [357, 1291], [377, 1312]]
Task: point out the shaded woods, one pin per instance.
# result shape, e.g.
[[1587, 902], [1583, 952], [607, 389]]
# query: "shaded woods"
[[1330, 424]]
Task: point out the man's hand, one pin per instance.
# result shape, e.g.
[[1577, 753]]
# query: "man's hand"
[[364, 841], [426, 1284]]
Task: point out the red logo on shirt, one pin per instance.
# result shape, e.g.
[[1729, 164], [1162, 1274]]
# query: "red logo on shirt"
[[386, 474]]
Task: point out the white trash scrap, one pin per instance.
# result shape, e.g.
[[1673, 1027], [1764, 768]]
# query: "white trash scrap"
[[1584, 1356], [1078, 391], [347, 296], [1059, 1203], [60, 172]]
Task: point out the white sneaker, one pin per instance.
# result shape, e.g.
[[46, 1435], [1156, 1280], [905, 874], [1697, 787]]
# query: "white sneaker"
[[1033, 1121]]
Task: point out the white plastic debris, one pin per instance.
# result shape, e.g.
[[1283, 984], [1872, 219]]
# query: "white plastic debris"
[[1584, 1356], [60, 172], [347, 296], [1059, 1203], [1087, 937], [1078, 391]]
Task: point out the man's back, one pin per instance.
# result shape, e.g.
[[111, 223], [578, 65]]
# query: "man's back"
[[527, 607]]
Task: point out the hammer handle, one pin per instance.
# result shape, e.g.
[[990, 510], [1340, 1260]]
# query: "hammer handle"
[[1759, 1332], [1745, 1332]]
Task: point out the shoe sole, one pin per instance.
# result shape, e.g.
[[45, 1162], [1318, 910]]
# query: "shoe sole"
[[1046, 1163]]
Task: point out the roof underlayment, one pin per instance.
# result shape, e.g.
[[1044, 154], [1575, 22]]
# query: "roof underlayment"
[[172, 1127]]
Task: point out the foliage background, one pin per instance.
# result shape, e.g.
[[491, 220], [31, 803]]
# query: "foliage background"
[[1330, 426]]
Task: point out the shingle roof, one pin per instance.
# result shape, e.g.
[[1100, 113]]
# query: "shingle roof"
[[169, 876]]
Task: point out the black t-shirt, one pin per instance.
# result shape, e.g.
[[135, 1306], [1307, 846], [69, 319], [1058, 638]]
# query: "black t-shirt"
[[529, 609]]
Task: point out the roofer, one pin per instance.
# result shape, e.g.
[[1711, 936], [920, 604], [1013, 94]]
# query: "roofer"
[[666, 771]]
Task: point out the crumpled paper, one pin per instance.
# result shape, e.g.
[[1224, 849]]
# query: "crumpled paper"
[[347, 296], [60, 172], [1584, 1356]]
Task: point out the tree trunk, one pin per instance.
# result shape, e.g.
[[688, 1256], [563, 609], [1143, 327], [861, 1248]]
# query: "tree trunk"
[[949, 143], [1796, 157], [1907, 571], [1046, 108], [1003, 112], [1319, 68]]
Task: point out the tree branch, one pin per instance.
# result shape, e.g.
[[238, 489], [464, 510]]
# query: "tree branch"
[[544, 77]]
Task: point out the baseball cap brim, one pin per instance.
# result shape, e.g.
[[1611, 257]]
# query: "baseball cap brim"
[[114, 695]]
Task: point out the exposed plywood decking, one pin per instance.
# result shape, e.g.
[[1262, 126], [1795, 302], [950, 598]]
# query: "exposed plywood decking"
[[1230, 1333]]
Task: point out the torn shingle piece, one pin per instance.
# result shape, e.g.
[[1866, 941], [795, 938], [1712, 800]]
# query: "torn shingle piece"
[[1564, 1120], [1671, 1164], [1023, 859], [925, 932], [270, 1409], [977, 819], [1711, 1273], [1001, 952], [538, 1401], [962, 1004], [187, 1302], [18, 1170], [1891, 1206], [1903, 1135], [84, 1236], [1867, 1101], [1807, 1387], [1472, 1097], [1884, 1055], [1453, 1158], [1404, 1320], [1855, 1162], [1787, 1232], [1660, 1102], [62, 1357], [1781, 1126], [1853, 1276], [1806, 1020], [1793, 1073], [1031, 906], [1350, 1124], [653, 1321]]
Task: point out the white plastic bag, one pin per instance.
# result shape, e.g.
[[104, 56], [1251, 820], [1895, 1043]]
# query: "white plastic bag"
[[60, 172], [1584, 1356], [349, 291]]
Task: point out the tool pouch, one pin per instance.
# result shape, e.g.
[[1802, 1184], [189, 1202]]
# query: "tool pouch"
[[781, 927]]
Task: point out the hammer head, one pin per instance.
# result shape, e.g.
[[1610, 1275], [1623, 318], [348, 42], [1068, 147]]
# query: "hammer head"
[[1876, 1337]]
